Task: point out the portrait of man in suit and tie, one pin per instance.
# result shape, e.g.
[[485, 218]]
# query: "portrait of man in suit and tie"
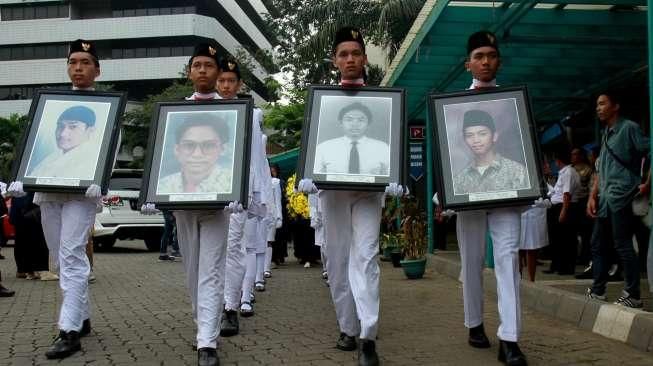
[[356, 141]]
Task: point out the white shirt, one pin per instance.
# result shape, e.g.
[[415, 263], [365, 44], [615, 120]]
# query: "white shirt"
[[568, 182], [332, 156]]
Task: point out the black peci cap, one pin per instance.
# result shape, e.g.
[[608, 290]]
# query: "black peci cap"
[[205, 49], [81, 45], [348, 34], [482, 39], [229, 65], [476, 117]]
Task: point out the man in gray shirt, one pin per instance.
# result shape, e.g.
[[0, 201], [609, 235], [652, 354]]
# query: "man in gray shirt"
[[622, 148]]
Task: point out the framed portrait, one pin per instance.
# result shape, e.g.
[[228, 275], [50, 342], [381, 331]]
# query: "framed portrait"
[[198, 154], [353, 139], [70, 141], [486, 152]]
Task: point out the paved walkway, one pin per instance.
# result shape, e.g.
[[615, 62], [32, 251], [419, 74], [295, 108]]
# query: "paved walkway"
[[141, 316]]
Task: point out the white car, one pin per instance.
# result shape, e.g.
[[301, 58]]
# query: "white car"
[[121, 218]]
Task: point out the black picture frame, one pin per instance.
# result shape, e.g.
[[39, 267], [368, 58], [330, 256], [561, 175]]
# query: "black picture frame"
[[162, 183], [52, 158], [323, 155], [516, 169]]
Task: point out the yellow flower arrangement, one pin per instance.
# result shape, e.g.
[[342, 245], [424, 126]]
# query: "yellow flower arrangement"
[[297, 201]]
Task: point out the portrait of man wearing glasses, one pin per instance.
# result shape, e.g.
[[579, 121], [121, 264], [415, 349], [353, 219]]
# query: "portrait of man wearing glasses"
[[354, 152], [200, 142]]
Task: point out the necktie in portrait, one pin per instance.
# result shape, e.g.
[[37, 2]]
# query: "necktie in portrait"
[[354, 160]]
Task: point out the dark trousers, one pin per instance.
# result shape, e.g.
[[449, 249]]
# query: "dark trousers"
[[169, 237], [642, 233], [562, 239], [585, 226], [615, 231], [30, 250]]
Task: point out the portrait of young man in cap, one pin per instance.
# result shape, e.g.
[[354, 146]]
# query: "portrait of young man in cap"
[[77, 145], [488, 171]]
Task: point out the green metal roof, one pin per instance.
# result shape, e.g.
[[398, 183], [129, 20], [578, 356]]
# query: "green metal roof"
[[286, 160], [562, 50]]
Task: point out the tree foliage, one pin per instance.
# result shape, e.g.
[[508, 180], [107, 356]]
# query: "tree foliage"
[[305, 31], [287, 120], [136, 122], [11, 131]]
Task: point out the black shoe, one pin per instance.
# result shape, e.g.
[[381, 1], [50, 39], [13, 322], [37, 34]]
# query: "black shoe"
[[5, 292], [346, 343], [207, 357], [86, 328], [229, 326], [2, 256], [510, 354], [477, 337], [367, 354], [64, 345]]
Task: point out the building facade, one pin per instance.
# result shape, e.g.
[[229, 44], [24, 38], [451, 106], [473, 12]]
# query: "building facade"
[[143, 45]]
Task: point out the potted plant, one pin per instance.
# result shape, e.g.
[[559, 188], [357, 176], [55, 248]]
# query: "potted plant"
[[413, 226], [389, 227]]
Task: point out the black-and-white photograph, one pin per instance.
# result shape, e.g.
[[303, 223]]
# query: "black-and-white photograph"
[[353, 138], [70, 140], [198, 154], [485, 148]]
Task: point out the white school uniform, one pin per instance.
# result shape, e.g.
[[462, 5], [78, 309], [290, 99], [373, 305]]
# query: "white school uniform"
[[504, 225]]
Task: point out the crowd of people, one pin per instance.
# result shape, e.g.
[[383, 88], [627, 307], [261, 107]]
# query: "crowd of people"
[[227, 254]]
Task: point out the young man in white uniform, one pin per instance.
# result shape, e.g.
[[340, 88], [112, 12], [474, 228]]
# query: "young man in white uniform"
[[274, 221], [351, 227], [256, 243], [228, 84], [203, 234], [67, 219], [504, 226]]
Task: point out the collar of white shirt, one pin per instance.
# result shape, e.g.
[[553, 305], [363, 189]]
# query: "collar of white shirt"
[[481, 84], [204, 96]]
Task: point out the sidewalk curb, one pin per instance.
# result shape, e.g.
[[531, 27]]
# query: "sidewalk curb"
[[631, 326]]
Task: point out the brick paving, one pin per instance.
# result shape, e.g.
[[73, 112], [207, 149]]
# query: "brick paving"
[[141, 316]]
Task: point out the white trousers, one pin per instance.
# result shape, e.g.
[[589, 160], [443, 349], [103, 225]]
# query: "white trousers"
[[351, 228], [66, 226], [504, 227], [268, 259], [202, 239], [250, 275], [235, 268]]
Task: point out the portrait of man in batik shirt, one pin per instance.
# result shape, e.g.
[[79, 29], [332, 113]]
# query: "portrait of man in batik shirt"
[[489, 171], [200, 142]]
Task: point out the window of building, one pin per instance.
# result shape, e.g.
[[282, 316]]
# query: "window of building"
[[41, 12], [17, 53], [140, 52], [22, 12], [153, 52]]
